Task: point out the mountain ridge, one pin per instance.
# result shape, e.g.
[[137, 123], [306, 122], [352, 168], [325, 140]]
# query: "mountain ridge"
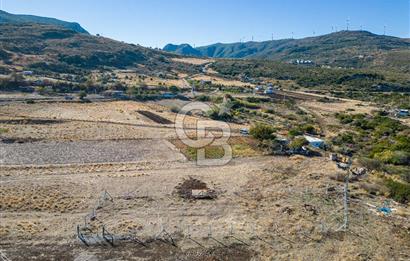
[[8, 18], [344, 48]]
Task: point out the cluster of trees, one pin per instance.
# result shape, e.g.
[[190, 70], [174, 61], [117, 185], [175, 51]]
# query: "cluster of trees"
[[267, 140]]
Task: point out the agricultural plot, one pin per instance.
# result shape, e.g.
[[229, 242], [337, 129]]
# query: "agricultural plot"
[[83, 192]]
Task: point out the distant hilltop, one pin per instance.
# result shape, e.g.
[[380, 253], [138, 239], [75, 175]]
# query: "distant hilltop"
[[344, 48], [7, 18]]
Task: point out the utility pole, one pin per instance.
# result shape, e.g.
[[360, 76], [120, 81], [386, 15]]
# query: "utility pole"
[[384, 30], [347, 24], [346, 203], [272, 36], [292, 35]]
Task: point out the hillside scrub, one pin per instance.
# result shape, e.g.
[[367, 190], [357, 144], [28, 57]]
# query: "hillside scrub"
[[262, 132]]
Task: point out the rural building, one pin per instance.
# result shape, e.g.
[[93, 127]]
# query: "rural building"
[[314, 142], [114, 94], [27, 73], [259, 89], [205, 82], [269, 90], [402, 113]]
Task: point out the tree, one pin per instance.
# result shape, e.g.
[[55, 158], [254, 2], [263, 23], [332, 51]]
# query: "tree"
[[262, 132], [174, 89], [82, 95]]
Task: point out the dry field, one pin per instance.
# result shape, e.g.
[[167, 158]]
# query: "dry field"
[[222, 81], [194, 61], [62, 157]]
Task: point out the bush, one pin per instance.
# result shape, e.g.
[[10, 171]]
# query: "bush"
[[393, 157], [82, 95], [270, 111], [298, 143], [400, 192], [220, 114], [309, 129], [174, 89], [295, 132], [203, 98], [370, 164], [175, 109], [262, 132]]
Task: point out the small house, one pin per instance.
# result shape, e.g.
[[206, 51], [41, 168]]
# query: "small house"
[[27, 73], [269, 90], [258, 89], [315, 142], [114, 94]]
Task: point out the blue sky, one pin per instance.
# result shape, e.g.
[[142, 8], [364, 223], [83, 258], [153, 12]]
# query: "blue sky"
[[199, 22]]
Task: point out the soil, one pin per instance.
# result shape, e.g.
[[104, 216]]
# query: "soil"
[[268, 207], [185, 189]]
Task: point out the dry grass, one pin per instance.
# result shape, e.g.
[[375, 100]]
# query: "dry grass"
[[195, 61], [222, 81], [52, 198]]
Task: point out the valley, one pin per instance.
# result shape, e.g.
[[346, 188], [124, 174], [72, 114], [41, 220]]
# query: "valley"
[[99, 154]]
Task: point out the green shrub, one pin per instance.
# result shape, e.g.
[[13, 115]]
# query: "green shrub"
[[370, 164], [400, 192], [82, 95], [309, 129], [270, 111], [344, 138], [175, 109], [393, 157], [262, 132], [203, 98], [295, 132], [174, 89], [298, 143]]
